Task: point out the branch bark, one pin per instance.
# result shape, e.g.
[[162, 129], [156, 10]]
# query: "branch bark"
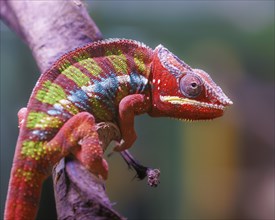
[[50, 28]]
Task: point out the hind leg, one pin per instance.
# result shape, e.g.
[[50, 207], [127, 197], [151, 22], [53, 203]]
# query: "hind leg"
[[79, 137], [21, 116]]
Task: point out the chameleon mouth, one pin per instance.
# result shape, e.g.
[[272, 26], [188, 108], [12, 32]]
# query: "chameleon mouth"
[[180, 101]]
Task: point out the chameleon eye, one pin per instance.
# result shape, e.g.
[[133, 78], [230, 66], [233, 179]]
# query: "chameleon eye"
[[191, 86]]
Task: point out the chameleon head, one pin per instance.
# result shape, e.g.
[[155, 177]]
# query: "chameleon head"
[[182, 92]]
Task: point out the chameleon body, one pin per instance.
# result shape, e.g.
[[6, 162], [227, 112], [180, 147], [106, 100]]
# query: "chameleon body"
[[111, 80]]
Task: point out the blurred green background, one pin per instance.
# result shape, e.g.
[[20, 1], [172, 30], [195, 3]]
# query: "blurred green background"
[[220, 169]]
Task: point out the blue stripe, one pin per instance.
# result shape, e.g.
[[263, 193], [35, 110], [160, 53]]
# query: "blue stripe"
[[137, 83], [80, 99], [107, 88]]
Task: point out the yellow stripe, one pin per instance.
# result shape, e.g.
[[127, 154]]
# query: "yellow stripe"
[[42, 120], [63, 65], [99, 111], [118, 60], [91, 65], [26, 175], [50, 93], [139, 61], [33, 149], [76, 75]]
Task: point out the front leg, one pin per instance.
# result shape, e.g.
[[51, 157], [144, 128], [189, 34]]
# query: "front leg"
[[130, 106]]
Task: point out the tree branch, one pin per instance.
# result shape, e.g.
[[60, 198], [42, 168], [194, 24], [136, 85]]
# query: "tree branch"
[[50, 28]]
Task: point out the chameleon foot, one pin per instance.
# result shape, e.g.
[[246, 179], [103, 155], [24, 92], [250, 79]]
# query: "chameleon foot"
[[152, 175]]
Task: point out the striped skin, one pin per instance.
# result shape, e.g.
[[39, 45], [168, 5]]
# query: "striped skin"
[[92, 79]]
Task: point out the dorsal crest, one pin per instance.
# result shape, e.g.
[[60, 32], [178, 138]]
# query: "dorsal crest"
[[171, 62]]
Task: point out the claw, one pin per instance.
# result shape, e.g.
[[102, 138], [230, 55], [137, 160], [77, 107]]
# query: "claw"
[[100, 169], [120, 146], [153, 175]]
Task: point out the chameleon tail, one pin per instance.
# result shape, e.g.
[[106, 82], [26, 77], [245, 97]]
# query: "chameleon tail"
[[24, 188]]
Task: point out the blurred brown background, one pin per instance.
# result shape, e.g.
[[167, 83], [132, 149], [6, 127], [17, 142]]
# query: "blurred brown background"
[[220, 169]]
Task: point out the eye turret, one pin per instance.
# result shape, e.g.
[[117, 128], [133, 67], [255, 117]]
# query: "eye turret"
[[191, 85]]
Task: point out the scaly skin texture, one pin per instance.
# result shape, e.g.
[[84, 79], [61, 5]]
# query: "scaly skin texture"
[[113, 81]]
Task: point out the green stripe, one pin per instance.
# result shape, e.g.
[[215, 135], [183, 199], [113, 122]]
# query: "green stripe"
[[91, 65], [138, 59], [25, 174], [71, 108], [50, 93], [119, 62], [99, 111], [33, 149], [81, 55], [76, 75], [42, 120], [63, 65], [122, 92]]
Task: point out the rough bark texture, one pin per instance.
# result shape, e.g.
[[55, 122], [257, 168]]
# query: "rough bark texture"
[[81, 193], [50, 29]]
